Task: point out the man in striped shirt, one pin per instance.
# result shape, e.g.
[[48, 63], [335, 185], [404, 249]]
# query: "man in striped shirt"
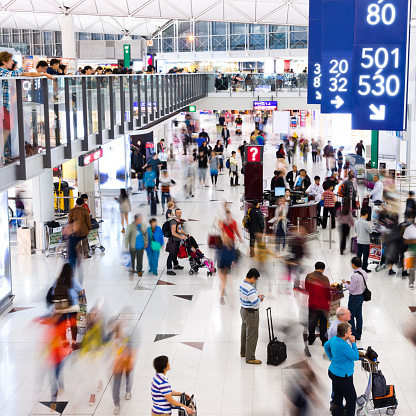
[[250, 302], [162, 391]]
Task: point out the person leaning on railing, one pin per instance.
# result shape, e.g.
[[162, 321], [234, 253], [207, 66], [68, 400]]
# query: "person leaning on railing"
[[6, 71]]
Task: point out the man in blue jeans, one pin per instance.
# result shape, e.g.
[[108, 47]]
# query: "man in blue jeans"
[[363, 230], [356, 287]]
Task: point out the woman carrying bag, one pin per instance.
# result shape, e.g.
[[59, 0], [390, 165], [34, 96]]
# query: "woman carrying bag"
[[156, 242]]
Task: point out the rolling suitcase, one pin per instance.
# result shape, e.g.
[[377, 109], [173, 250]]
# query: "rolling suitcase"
[[276, 350], [354, 245]]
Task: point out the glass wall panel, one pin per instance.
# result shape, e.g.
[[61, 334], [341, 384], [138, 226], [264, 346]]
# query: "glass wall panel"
[[298, 37], [257, 38]]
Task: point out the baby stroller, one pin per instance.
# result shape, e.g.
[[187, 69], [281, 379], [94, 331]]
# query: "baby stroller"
[[196, 258]]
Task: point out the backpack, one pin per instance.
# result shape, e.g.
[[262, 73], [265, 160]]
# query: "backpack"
[[60, 297], [247, 220], [342, 190], [379, 384], [227, 164], [166, 229]]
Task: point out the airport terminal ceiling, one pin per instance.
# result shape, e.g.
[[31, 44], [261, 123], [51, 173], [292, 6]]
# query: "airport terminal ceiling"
[[144, 17]]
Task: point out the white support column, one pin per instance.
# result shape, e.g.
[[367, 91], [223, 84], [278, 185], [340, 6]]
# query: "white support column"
[[86, 184], [43, 205], [69, 50]]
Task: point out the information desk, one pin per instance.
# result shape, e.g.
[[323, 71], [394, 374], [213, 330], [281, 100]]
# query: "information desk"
[[307, 214]]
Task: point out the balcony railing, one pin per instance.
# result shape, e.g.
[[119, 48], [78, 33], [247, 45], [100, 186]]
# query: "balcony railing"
[[257, 84], [73, 114]]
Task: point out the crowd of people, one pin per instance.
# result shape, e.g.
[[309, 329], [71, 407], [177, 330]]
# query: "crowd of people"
[[339, 327]]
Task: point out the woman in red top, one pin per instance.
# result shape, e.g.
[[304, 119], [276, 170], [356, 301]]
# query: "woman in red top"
[[229, 230]]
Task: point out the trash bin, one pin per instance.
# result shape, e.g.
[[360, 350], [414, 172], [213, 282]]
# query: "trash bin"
[[25, 240]]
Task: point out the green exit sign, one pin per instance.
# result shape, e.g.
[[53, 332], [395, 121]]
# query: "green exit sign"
[[192, 108], [127, 55]]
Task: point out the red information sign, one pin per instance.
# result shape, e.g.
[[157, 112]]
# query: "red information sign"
[[254, 154], [264, 210], [375, 252], [150, 145], [90, 157]]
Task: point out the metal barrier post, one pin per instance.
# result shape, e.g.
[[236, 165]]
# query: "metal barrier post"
[[330, 232]]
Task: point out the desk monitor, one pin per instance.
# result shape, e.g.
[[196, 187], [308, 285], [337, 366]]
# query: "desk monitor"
[[279, 191]]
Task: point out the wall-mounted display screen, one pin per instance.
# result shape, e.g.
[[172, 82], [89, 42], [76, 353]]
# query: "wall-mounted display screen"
[[264, 105]]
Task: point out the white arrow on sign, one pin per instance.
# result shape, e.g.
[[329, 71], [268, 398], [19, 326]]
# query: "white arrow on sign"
[[379, 113], [318, 95], [338, 102]]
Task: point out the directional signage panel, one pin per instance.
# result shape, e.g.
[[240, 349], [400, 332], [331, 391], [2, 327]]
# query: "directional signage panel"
[[314, 52], [336, 85], [380, 64], [337, 51]]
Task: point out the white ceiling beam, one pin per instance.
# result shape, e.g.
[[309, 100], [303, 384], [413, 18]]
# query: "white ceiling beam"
[[208, 9], [272, 12]]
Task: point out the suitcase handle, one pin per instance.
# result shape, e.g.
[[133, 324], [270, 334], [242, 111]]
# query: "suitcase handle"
[[270, 323]]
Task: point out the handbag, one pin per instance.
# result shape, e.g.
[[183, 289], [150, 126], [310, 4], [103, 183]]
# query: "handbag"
[[367, 292], [154, 245]]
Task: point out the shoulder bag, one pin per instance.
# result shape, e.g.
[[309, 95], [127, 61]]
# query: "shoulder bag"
[[367, 292]]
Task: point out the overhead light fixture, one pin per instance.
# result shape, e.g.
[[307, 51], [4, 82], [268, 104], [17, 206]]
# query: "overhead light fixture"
[[190, 38]]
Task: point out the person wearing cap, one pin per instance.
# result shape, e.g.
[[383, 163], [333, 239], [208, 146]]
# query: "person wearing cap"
[[340, 160], [250, 302]]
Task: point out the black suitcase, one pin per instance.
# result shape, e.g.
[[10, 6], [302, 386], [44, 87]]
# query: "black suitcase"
[[276, 350]]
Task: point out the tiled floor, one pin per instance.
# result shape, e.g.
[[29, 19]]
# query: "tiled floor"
[[185, 321]]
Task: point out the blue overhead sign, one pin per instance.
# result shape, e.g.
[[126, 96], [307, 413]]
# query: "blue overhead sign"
[[337, 51], [314, 52], [380, 69]]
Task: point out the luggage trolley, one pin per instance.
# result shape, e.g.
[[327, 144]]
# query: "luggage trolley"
[[94, 237], [365, 403], [54, 233], [377, 252]]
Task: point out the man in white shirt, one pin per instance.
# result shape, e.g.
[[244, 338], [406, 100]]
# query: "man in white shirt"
[[343, 315], [41, 68], [377, 192], [316, 189]]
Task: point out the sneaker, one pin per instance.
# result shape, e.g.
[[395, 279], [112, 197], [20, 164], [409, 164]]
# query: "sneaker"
[[405, 273], [123, 231], [117, 410], [222, 301], [242, 355], [307, 352], [155, 273], [411, 286], [92, 400], [367, 271], [140, 274], [100, 386], [253, 362], [128, 396], [171, 273], [392, 272], [178, 267]]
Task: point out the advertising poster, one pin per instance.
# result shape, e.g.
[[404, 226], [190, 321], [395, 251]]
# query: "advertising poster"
[[115, 171], [5, 269], [375, 252]]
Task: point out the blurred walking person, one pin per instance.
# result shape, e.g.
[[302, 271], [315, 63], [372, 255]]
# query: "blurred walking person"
[[80, 217], [125, 207], [256, 226], [229, 230], [346, 221]]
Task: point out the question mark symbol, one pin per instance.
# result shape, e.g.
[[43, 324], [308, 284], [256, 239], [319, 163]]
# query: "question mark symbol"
[[254, 152]]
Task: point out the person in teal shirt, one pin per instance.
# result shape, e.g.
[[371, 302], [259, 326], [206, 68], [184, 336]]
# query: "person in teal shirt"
[[156, 241], [341, 370]]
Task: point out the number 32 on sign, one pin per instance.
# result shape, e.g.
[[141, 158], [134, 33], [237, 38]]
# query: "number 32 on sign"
[[380, 64]]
